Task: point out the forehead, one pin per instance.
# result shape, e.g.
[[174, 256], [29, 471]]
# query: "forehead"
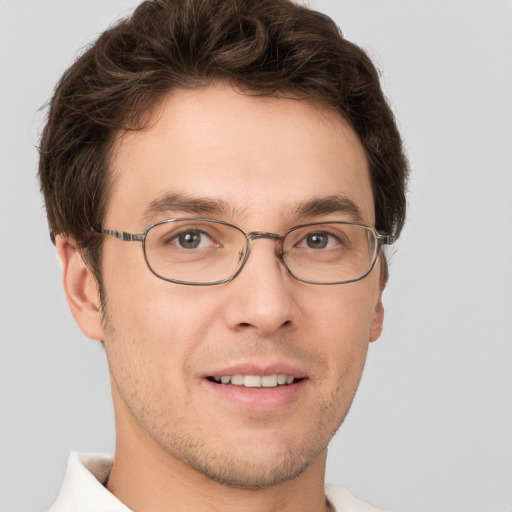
[[254, 156]]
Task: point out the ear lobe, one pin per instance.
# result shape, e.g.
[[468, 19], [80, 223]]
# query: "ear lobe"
[[81, 289], [377, 320]]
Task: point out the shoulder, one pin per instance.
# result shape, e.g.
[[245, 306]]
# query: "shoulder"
[[343, 501]]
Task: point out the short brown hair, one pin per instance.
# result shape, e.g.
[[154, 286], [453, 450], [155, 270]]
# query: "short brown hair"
[[266, 47]]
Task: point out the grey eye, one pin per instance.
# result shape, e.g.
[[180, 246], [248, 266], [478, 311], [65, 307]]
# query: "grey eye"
[[192, 239], [317, 240]]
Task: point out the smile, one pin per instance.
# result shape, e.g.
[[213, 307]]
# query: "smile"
[[255, 381]]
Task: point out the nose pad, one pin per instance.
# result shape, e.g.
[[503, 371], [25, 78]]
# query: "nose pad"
[[279, 251]]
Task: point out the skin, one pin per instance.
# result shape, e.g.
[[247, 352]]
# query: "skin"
[[182, 443]]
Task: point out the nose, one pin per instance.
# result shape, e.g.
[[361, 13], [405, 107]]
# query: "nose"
[[261, 297]]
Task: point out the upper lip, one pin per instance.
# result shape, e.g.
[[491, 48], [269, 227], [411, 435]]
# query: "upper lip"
[[258, 369]]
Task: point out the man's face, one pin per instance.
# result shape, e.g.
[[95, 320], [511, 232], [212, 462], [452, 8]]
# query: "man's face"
[[257, 161]]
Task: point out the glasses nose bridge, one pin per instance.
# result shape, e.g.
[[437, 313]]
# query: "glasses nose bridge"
[[256, 235]]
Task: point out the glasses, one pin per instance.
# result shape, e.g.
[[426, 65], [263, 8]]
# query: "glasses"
[[203, 252]]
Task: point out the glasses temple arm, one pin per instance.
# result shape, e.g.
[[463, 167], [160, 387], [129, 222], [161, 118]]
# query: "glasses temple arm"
[[386, 239], [120, 235]]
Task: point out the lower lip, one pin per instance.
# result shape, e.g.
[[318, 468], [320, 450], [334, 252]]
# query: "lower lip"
[[260, 399]]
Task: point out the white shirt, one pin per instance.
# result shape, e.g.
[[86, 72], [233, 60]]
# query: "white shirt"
[[83, 489]]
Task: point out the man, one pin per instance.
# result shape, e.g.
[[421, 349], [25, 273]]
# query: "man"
[[221, 178]]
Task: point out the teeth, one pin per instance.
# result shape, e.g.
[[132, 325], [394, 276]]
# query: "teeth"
[[256, 381], [269, 381], [237, 380], [252, 381], [281, 379]]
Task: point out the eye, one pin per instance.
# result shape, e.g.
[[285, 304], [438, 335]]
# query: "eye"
[[191, 239], [318, 240]]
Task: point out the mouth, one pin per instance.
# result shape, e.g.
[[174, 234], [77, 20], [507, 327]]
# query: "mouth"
[[258, 387], [255, 381]]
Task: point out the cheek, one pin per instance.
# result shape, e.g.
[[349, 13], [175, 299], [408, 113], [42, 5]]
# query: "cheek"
[[343, 321], [146, 341], [344, 312], [158, 323], [137, 298]]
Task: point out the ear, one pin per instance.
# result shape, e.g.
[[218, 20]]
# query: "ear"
[[378, 313], [377, 320], [81, 288]]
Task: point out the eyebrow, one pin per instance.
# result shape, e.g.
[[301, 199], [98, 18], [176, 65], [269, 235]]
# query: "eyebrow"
[[329, 205], [182, 203]]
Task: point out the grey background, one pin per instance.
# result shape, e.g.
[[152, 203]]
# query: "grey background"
[[431, 427]]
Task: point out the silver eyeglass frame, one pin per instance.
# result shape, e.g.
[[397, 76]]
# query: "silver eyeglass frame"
[[381, 238]]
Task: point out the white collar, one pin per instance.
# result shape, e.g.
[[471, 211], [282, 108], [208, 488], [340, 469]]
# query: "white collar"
[[84, 488]]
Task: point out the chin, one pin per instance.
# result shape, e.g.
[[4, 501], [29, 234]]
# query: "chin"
[[259, 462], [247, 472]]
